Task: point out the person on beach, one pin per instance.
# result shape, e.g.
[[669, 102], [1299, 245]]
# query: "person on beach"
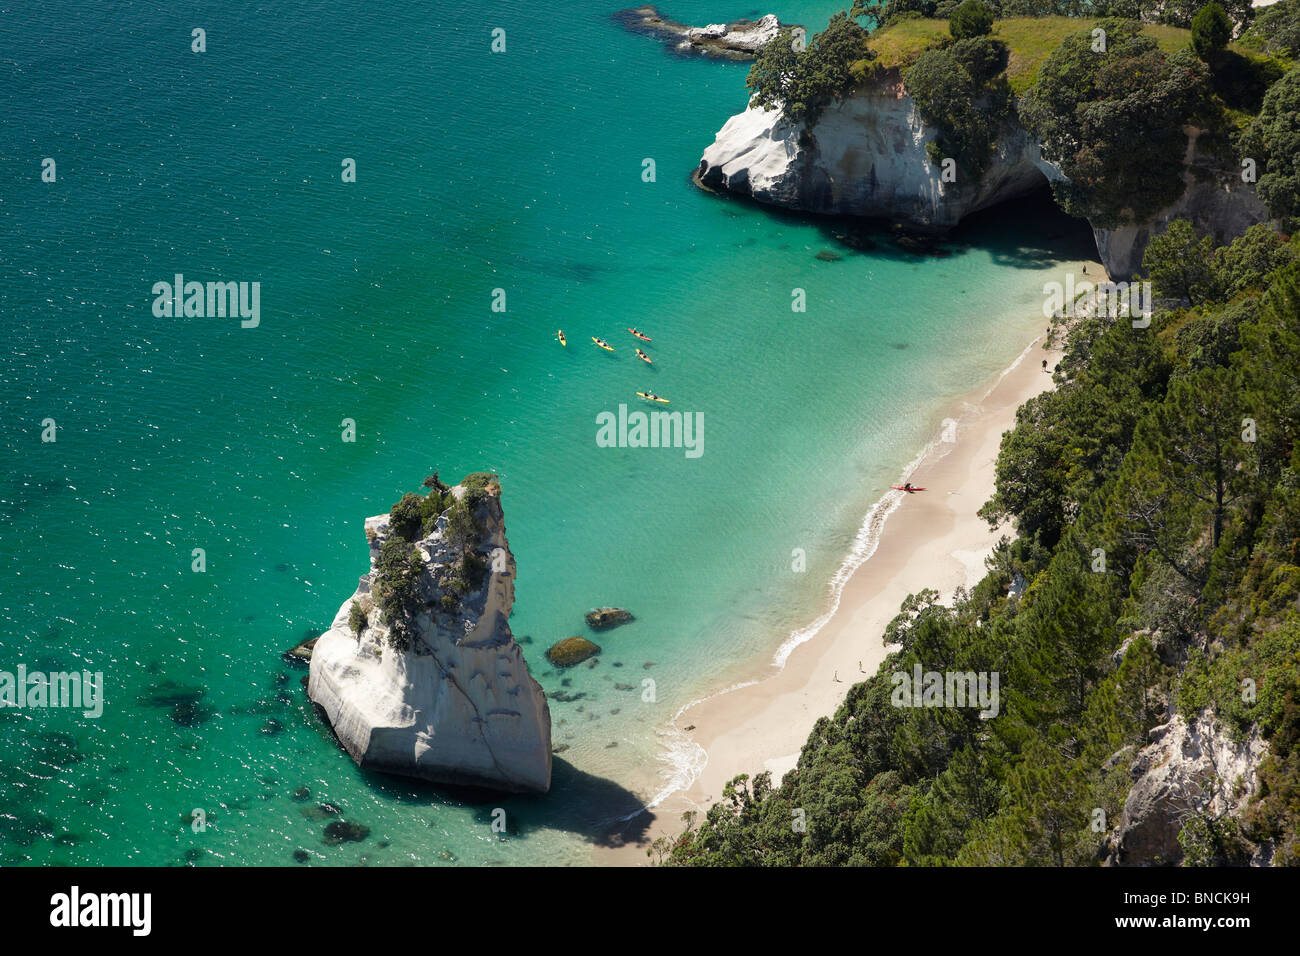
[[1044, 365], [907, 486]]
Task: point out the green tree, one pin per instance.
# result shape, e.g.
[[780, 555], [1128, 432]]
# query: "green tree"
[[1247, 262], [961, 89], [1276, 29], [802, 84], [405, 519], [1181, 265], [463, 529], [357, 618], [970, 19], [395, 588], [1113, 122], [1273, 141], [1189, 468], [1211, 31]]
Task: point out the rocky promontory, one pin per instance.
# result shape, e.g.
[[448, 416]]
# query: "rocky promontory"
[[866, 156], [737, 40], [419, 674]]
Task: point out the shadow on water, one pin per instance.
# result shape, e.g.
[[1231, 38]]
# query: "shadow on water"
[[1030, 231], [597, 809]]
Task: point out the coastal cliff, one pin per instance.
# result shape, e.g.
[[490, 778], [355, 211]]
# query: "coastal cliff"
[[866, 156], [442, 692], [1189, 768]]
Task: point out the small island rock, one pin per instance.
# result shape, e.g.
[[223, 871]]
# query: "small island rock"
[[572, 650]]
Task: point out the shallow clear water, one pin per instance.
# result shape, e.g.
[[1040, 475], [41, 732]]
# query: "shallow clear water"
[[519, 171]]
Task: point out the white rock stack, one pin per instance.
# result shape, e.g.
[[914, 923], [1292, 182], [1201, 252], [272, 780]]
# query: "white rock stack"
[[459, 705]]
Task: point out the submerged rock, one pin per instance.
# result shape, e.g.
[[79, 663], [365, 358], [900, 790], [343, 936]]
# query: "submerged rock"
[[340, 831], [457, 705], [301, 653], [570, 651], [603, 618]]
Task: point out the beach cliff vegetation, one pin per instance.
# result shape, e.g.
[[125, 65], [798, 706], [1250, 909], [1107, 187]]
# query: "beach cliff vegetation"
[[1144, 622]]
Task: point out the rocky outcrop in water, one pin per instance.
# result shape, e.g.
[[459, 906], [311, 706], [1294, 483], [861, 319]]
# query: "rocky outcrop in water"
[[571, 650], [603, 618], [458, 705], [866, 156], [737, 40]]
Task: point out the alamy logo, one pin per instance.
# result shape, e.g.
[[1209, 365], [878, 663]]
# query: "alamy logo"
[[198, 300], [1113, 299], [82, 690], [946, 689], [102, 909], [640, 429]]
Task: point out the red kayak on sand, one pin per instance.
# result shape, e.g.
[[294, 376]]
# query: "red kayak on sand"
[[902, 488]]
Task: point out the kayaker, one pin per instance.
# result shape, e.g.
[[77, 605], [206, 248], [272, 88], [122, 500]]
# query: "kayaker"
[[907, 486]]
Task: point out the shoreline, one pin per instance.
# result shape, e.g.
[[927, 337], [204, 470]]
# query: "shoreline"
[[905, 543]]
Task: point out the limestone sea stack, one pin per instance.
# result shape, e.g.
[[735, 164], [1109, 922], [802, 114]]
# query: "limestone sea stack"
[[419, 674]]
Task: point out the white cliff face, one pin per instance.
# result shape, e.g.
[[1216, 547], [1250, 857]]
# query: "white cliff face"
[[459, 706], [1221, 211], [752, 37], [866, 156], [1188, 768]]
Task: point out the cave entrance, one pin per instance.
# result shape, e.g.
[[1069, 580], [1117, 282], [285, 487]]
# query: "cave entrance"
[[1030, 229]]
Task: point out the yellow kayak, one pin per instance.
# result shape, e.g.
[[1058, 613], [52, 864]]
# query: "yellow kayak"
[[651, 397], [603, 344], [563, 340]]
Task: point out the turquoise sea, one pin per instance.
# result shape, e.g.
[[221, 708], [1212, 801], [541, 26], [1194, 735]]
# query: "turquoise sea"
[[476, 171]]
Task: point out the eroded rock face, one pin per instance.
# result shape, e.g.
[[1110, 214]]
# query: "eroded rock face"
[[1223, 212], [866, 156], [459, 706], [1186, 769]]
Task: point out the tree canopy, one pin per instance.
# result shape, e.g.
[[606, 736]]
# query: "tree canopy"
[[801, 83], [1113, 121]]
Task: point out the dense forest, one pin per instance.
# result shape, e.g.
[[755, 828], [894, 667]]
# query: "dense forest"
[[1154, 577]]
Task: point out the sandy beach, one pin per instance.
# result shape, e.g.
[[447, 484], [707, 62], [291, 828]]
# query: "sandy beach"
[[933, 539]]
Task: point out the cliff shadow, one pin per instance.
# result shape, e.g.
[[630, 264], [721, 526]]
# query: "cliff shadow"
[[1027, 232], [601, 811], [1030, 231]]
